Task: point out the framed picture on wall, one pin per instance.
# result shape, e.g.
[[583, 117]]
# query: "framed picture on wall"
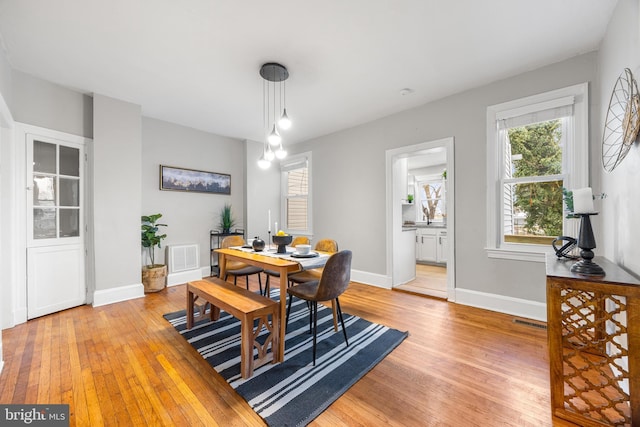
[[181, 179]]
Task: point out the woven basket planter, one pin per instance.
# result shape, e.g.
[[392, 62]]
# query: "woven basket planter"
[[154, 278]]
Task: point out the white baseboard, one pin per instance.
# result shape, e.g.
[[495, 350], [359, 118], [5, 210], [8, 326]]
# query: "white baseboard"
[[205, 272], [184, 277], [122, 293], [373, 279], [19, 316], [503, 304]]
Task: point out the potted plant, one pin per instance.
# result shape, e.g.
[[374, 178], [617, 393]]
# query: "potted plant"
[[153, 275], [226, 219]]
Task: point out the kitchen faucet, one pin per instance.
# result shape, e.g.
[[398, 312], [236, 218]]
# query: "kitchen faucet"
[[425, 211]]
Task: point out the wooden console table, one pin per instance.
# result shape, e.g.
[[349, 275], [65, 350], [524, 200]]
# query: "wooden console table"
[[594, 344]]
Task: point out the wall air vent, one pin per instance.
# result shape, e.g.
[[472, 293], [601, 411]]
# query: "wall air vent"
[[182, 258]]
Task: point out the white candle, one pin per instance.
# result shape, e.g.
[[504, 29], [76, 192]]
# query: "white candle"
[[269, 220], [276, 227], [583, 201]]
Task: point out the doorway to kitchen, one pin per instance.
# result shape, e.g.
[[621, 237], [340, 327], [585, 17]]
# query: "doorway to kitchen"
[[420, 218], [431, 279]]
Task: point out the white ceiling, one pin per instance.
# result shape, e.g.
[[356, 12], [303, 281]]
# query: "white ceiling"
[[197, 62], [427, 158]]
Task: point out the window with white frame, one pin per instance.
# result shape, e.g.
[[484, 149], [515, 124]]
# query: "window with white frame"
[[536, 146], [296, 194], [431, 199]]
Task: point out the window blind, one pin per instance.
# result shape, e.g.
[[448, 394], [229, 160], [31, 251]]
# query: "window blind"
[[536, 113]]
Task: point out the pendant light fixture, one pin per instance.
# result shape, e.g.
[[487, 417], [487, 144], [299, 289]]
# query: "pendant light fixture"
[[275, 112], [281, 153], [284, 123]]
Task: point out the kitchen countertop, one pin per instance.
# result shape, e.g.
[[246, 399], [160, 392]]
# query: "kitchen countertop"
[[424, 225]]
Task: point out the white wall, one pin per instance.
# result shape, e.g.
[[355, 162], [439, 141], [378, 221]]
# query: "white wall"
[[6, 79], [262, 192], [349, 178], [41, 103], [619, 211], [117, 194], [7, 201], [189, 216]]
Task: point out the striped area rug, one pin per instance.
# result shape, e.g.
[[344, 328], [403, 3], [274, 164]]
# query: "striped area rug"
[[294, 392]]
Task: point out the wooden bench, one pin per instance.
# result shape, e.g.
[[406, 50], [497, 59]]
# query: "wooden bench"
[[245, 306]]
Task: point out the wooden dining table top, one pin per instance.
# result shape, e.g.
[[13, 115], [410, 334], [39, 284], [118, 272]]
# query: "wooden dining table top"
[[272, 260]]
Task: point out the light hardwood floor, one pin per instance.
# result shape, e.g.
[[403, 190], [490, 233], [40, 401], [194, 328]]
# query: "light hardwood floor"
[[123, 364], [430, 280]]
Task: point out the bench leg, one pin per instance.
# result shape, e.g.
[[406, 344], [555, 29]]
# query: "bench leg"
[[189, 308], [214, 314], [246, 346], [249, 341]]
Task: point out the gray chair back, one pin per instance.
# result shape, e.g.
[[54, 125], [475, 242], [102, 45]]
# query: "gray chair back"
[[335, 276]]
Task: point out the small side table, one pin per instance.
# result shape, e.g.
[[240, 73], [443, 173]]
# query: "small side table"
[[593, 329]]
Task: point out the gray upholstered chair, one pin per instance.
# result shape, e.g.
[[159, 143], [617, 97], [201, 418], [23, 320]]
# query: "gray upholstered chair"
[[237, 268], [333, 282], [323, 245]]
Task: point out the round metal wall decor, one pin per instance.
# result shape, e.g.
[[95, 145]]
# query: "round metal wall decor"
[[622, 121]]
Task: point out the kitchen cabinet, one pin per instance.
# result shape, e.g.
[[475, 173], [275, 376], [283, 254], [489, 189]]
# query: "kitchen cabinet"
[[426, 245], [431, 245]]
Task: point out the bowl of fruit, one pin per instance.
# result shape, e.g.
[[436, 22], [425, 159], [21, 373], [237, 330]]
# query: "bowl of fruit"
[[282, 239]]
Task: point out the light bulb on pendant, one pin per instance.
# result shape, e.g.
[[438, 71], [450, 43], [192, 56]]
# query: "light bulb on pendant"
[[269, 154], [263, 163], [285, 121], [281, 152], [274, 137]]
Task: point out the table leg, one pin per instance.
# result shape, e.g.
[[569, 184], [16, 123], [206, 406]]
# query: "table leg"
[[222, 265], [633, 350], [556, 348], [189, 308]]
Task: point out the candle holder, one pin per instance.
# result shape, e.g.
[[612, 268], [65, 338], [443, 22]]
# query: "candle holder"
[[269, 241], [586, 242]]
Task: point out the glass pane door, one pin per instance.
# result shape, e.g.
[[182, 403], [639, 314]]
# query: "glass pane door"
[[56, 259], [56, 190]]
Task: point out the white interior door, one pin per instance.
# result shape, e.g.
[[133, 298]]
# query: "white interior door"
[[55, 225]]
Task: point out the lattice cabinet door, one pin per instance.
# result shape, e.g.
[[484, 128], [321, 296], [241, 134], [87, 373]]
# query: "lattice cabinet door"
[[593, 330]]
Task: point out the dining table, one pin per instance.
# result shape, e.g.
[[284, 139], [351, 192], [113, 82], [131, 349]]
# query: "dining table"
[[284, 263]]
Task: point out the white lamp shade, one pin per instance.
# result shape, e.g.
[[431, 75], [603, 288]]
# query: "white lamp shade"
[[274, 137], [284, 122], [268, 155], [263, 163], [281, 153]]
